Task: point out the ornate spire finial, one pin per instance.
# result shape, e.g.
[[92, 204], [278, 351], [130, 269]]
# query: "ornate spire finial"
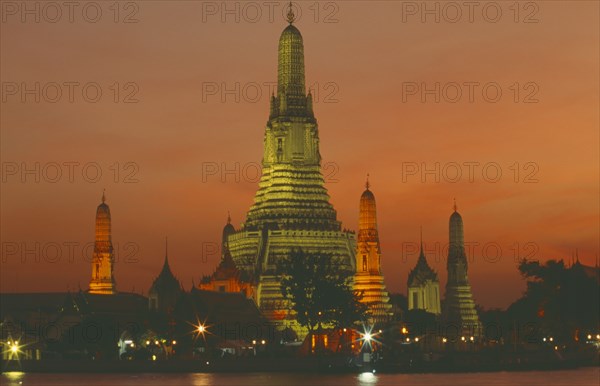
[[290, 15], [421, 237], [367, 184], [455, 207], [103, 195], [228, 217]]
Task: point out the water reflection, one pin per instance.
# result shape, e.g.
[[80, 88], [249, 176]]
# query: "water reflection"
[[14, 378], [584, 376], [203, 379], [367, 378]]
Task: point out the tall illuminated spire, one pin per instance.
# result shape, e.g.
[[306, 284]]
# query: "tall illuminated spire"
[[367, 219], [291, 99], [368, 278], [103, 281], [291, 207]]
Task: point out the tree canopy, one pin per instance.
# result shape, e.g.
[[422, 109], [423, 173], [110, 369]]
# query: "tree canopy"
[[320, 290]]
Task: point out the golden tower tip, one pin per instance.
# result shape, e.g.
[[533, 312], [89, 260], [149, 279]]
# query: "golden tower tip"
[[367, 184], [290, 15]]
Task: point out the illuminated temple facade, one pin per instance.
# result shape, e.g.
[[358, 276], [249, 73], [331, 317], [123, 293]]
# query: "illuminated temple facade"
[[459, 307], [103, 280], [424, 286], [291, 207], [368, 279]]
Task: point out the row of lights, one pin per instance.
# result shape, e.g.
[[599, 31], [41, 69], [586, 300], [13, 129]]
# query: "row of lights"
[[462, 338]]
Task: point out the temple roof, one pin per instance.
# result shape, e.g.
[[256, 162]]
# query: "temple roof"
[[165, 281], [422, 272]]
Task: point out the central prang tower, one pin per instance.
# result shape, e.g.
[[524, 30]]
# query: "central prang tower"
[[291, 208]]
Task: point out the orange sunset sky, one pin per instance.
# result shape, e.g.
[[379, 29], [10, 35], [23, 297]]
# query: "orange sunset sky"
[[360, 58]]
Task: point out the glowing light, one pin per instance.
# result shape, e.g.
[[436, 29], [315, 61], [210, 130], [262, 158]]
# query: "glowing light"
[[462, 338], [254, 341], [147, 342], [367, 337], [444, 340], [200, 328], [14, 349], [153, 357], [471, 339], [367, 377], [544, 339], [155, 342], [551, 339], [598, 336], [408, 339], [416, 339], [174, 342], [263, 341], [589, 336], [404, 330]]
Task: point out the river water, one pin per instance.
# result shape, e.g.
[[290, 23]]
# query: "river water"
[[579, 377]]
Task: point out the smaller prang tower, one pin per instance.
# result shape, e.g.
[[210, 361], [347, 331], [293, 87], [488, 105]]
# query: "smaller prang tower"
[[459, 306], [368, 279], [103, 280]]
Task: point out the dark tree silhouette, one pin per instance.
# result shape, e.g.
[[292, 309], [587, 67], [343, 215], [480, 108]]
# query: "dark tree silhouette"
[[560, 301], [320, 291]]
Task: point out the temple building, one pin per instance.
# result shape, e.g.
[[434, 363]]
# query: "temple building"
[[227, 277], [103, 280], [424, 286], [368, 279], [459, 306], [291, 208], [165, 289]]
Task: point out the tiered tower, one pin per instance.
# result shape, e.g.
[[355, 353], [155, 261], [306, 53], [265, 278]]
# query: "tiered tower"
[[103, 280], [291, 208], [368, 279], [424, 286], [459, 306]]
